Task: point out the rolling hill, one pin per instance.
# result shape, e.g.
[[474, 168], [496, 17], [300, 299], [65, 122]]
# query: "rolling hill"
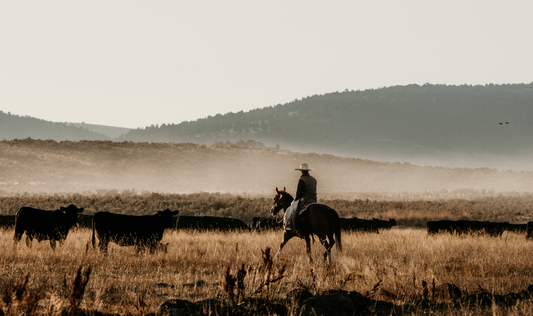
[[456, 126], [20, 127]]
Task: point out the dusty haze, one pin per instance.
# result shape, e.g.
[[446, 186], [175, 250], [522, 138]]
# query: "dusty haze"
[[36, 166]]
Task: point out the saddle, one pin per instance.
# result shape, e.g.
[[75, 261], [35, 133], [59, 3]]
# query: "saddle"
[[295, 211]]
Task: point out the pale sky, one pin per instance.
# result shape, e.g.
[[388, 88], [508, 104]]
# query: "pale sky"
[[136, 63]]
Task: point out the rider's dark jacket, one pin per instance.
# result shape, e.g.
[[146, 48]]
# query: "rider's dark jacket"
[[306, 188]]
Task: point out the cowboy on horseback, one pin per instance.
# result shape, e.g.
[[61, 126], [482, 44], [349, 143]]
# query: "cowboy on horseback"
[[316, 220]]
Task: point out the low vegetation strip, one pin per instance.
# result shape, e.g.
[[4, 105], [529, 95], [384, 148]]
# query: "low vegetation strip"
[[515, 209]]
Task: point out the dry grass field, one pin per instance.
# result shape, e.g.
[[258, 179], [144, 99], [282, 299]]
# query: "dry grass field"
[[196, 268]]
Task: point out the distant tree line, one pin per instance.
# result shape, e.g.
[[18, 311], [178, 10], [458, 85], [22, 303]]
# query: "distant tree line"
[[412, 118]]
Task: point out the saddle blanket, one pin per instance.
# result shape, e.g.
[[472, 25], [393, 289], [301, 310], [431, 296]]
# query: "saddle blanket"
[[289, 218]]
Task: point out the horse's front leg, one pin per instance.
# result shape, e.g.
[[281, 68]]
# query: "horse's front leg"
[[286, 237], [308, 247]]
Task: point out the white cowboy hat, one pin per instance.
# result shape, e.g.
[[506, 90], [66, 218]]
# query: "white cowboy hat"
[[304, 167]]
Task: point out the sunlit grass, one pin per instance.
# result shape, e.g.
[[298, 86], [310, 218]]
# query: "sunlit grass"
[[195, 265]]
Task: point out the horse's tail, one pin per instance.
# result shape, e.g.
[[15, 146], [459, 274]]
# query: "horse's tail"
[[337, 229]]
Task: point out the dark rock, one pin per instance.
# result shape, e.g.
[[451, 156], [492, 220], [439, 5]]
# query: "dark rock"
[[523, 295], [482, 299], [163, 285], [262, 306], [332, 304], [499, 299], [421, 304], [381, 308], [359, 298], [447, 292], [212, 306], [298, 295], [199, 283], [444, 306], [278, 309], [176, 307], [85, 312], [486, 299]]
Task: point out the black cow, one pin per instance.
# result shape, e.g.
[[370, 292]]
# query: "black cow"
[[494, 229], [45, 225], [378, 223], [210, 223], [129, 230], [517, 228], [267, 223], [529, 228], [355, 224]]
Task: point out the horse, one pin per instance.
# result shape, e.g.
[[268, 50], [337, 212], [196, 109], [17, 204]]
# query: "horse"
[[319, 219]]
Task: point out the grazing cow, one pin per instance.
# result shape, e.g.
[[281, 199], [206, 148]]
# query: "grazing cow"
[[516, 228], [210, 223], [267, 223], [493, 229], [378, 223], [129, 230], [45, 225], [355, 224]]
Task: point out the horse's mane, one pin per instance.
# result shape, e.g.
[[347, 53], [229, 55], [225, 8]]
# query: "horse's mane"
[[286, 195]]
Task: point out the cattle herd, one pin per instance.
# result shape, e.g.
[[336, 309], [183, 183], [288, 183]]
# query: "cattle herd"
[[146, 232]]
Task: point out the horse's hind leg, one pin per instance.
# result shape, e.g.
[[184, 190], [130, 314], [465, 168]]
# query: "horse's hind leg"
[[327, 245]]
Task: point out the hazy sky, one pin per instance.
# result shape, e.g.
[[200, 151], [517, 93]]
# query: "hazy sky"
[[137, 63]]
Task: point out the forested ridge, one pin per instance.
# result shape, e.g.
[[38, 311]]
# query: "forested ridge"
[[315, 118], [439, 125]]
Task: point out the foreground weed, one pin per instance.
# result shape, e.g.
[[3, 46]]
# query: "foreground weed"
[[78, 288]]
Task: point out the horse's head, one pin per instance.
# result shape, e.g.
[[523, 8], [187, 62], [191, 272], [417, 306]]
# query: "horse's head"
[[282, 201]]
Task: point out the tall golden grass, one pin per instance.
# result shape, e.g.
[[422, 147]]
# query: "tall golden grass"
[[197, 266]]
